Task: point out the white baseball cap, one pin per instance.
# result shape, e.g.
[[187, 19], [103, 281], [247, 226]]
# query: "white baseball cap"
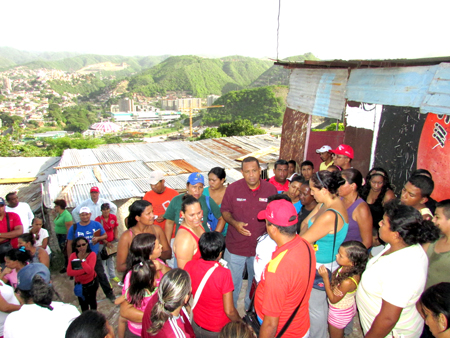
[[324, 149], [85, 209], [155, 177]]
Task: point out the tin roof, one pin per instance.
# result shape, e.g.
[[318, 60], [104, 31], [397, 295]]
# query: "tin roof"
[[121, 171]]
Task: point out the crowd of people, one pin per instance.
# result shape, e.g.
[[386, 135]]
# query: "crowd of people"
[[317, 248]]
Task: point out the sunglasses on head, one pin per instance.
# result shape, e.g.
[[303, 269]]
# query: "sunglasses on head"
[[80, 245]]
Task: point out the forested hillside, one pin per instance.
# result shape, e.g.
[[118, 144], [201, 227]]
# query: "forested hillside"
[[278, 75], [264, 105], [197, 75]]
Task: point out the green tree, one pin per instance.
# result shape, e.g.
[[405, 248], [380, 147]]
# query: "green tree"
[[210, 133], [239, 128], [9, 120]]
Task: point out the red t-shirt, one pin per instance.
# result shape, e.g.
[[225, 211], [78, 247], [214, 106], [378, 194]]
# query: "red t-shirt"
[[108, 226], [87, 273], [173, 327], [14, 221], [283, 284], [280, 187], [160, 203], [209, 312]]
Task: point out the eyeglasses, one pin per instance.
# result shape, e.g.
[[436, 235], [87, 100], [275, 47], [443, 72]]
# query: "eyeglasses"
[[80, 245]]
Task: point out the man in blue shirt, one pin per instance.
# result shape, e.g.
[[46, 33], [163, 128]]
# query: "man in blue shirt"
[[87, 229]]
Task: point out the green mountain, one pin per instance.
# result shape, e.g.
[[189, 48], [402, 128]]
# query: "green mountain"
[[278, 75], [16, 57], [265, 105], [198, 76]]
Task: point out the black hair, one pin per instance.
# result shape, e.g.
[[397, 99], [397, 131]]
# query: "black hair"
[[353, 176], [288, 231], [61, 203], [445, 205], [365, 190], [424, 172], [141, 248], [307, 163], [90, 324], [136, 209], [8, 195], [250, 159], [76, 240], [142, 281], [328, 180], [188, 200], [28, 238], [277, 197], [280, 162], [41, 293], [211, 244], [219, 172], [292, 162], [357, 254], [334, 167], [409, 224], [105, 206], [437, 299], [300, 179], [424, 183], [35, 218], [21, 255]]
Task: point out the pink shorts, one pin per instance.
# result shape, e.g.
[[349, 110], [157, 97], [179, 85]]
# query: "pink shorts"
[[339, 318]]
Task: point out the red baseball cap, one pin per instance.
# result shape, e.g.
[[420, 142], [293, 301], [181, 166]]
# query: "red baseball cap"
[[95, 189], [343, 149], [279, 212]]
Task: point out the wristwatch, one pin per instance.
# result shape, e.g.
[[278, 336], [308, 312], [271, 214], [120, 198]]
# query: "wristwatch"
[[83, 260]]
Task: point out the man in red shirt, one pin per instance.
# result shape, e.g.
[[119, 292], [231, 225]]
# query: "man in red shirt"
[[285, 282], [160, 197], [109, 223], [280, 181], [10, 229]]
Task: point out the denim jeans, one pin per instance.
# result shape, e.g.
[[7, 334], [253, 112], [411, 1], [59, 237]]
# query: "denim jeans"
[[236, 265]]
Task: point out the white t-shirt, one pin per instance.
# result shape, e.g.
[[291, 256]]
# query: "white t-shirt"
[[35, 321], [43, 234], [25, 214], [264, 250], [8, 295], [398, 278]]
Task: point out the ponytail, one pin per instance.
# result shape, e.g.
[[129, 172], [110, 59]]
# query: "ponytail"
[[173, 289], [141, 282]]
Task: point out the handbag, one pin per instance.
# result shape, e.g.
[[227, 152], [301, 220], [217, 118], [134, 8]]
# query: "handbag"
[[78, 290], [5, 246], [318, 279], [212, 220], [251, 318]]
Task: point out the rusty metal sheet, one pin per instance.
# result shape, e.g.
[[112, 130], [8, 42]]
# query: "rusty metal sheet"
[[318, 92], [229, 145], [185, 165], [295, 126]]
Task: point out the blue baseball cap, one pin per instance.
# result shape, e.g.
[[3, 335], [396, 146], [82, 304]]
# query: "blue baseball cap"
[[2, 201], [26, 274], [195, 178]]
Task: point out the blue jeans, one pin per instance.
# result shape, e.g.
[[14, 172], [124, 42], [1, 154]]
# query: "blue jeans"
[[236, 265]]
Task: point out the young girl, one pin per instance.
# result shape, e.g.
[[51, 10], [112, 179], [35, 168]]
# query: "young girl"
[[145, 247], [352, 258]]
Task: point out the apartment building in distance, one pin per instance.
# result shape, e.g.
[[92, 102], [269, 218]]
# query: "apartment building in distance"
[[181, 104]]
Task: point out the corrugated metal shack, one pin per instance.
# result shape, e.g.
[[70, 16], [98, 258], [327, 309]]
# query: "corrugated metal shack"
[[121, 170], [396, 113]]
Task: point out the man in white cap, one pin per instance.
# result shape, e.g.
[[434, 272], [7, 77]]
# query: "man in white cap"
[[325, 156], [94, 204], [94, 233], [160, 197]]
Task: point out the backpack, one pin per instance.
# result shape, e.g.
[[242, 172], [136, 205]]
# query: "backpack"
[[212, 220]]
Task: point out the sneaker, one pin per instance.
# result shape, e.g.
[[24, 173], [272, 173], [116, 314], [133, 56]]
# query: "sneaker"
[[120, 283], [116, 279], [111, 297], [63, 270]]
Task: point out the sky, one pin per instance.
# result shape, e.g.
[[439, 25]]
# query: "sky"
[[328, 29]]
